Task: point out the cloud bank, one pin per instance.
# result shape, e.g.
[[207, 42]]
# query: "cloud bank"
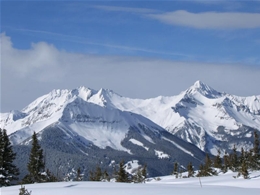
[[210, 20], [28, 74], [202, 20]]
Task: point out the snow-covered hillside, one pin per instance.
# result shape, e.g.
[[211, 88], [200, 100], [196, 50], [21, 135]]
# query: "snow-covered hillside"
[[199, 115], [223, 184], [82, 128]]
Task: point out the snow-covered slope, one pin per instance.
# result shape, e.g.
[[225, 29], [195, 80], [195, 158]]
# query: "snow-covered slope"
[[223, 184], [199, 115], [84, 125]]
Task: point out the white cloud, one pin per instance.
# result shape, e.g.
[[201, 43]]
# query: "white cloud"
[[125, 9], [35, 61], [28, 74], [210, 20]]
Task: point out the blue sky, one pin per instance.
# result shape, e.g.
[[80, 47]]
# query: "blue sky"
[[160, 46]]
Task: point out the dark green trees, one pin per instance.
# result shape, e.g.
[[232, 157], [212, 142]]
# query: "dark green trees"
[[121, 174], [175, 169], [206, 169], [36, 163], [234, 161], [218, 161], [256, 153], [97, 175], [190, 170], [140, 175], [8, 171], [79, 176]]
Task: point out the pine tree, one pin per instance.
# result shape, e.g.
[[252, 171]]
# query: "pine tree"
[[249, 159], [175, 169], [24, 191], [98, 174], [226, 164], [242, 156], [106, 176], [138, 178], [36, 164], [201, 172], [206, 169], [190, 170], [8, 170], [79, 176], [243, 170], [121, 175], [50, 177], [140, 175], [208, 166], [234, 159], [256, 153], [218, 161], [91, 176], [144, 172]]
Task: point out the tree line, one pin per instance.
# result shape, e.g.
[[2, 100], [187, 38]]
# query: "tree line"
[[37, 173], [241, 162], [36, 165], [120, 174]]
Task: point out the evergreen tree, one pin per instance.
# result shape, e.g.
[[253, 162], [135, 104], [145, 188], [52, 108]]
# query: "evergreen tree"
[[91, 176], [106, 176], [226, 165], [201, 171], [50, 177], [36, 164], [24, 191], [242, 157], [121, 175], [250, 159], [244, 170], [141, 174], [8, 170], [234, 159], [208, 166], [144, 172], [98, 175], [175, 169], [206, 169], [256, 154], [218, 161], [190, 170], [79, 176], [138, 177]]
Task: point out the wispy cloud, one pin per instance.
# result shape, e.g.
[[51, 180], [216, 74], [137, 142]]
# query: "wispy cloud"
[[210, 20], [82, 40], [125, 9], [202, 20]]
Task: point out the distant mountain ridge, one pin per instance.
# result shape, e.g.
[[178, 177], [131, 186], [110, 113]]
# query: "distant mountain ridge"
[[91, 123], [199, 115], [82, 128]]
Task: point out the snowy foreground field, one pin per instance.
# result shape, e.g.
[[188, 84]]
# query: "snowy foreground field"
[[218, 185]]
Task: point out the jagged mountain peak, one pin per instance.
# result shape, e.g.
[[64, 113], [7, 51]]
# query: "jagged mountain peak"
[[197, 115], [203, 89], [61, 97]]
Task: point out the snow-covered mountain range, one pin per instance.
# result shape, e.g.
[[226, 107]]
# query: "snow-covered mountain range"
[[199, 115]]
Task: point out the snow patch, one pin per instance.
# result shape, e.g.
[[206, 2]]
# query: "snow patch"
[[161, 154], [178, 146], [136, 142]]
